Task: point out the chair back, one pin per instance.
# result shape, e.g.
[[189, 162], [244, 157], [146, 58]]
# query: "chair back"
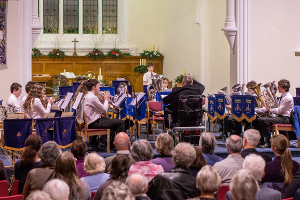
[[155, 105], [3, 188], [189, 110], [93, 195], [15, 188], [222, 192], [16, 197]]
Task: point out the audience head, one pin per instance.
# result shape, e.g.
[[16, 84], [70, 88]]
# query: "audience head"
[[141, 150], [234, 144], [256, 165], [208, 180], [89, 84], [57, 189], [184, 155], [284, 84], [94, 164], [49, 153], [32, 146], [137, 184], [119, 167], [28, 86], [79, 149], [122, 141], [187, 80], [16, 89], [243, 185], [251, 138], [207, 142], [117, 190], [164, 144], [38, 195], [199, 161], [280, 144]]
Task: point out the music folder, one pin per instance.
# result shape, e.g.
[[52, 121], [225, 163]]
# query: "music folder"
[[67, 114], [49, 115], [77, 101], [120, 100], [138, 98], [67, 100]]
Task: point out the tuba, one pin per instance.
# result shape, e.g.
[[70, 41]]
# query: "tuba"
[[157, 86], [227, 95], [259, 99], [269, 94]]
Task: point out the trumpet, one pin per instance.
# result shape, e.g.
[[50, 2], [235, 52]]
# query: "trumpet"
[[110, 102]]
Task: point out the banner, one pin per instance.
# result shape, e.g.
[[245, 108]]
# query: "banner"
[[2, 32], [64, 131], [43, 129], [211, 108], [237, 107], [220, 106], [249, 108]]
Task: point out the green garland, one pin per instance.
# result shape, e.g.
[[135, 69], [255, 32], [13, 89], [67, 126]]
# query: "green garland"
[[36, 53], [56, 53], [115, 53], [179, 79], [150, 54], [96, 53], [140, 69]]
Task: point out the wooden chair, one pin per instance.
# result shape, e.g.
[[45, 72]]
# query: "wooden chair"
[[16, 197], [86, 132], [284, 127], [222, 192], [156, 116], [3, 188]]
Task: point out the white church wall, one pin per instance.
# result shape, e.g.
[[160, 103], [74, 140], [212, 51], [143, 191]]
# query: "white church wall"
[[275, 38]]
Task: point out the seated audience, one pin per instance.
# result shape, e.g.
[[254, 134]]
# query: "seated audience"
[[250, 141], [94, 166], [164, 144], [29, 159], [57, 189], [16, 90], [3, 175], [256, 165], [118, 171], [293, 186], [122, 144], [282, 168], [198, 163], [38, 195], [243, 186], [65, 169], [178, 183], [118, 191], [37, 177], [208, 182], [234, 161], [79, 149], [138, 186], [142, 153], [208, 143]]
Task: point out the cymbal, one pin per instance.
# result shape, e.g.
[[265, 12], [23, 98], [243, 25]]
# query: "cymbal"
[[59, 79], [90, 75]]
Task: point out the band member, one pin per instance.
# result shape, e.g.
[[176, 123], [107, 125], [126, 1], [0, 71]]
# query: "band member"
[[16, 90], [147, 76], [283, 112], [28, 87], [165, 82], [35, 105], [94, 109]]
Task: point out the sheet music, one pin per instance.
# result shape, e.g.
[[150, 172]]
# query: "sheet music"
[[67, 100], [167, 90], [247, 93], [219, 92], [120, 100], [236, 93], [210, 95], [60, 103], [138, 98], [163, 96], [77, 101]]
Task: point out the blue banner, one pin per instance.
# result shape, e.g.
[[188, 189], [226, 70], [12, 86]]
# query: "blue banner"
[[211, 108], [141, 110], [125, 109], [64, 131], [220, 106], [43, 129], [237, 107], [249, 108]]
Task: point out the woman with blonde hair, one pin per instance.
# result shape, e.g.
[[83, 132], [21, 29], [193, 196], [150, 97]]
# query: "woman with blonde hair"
[[282, 168]]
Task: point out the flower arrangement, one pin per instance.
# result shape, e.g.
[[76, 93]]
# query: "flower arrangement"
[[36, 53], [96, 53], [150, 54], [115, 53], [140, 69], [179, 78], [56, 53]]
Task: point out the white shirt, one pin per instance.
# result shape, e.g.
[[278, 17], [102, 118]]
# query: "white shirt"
[[13, 101], [93, 108], [147, 79], [37, 109], [22, 101], [286, 105]]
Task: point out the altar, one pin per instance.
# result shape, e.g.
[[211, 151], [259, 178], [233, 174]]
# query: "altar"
[[44, 68]]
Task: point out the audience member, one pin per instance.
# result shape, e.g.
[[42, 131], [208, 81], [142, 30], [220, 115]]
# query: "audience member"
[[282, 168], [234, 161], [178, 183], [198, 163], [37, 177], [118, 191], [65, 169], [94, 166], [79, 149], [208, 182], [29, 159], [142, 153], [57, 189], [138, 186], [293, 186], [16, 90], [243, 185], [118, 171], [3, 175], [38, 195], [164, 144], [250, 141], [256, 165], [208, 143], [122, 144]]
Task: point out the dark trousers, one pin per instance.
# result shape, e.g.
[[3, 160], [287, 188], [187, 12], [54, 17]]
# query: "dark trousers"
[[233, 126]]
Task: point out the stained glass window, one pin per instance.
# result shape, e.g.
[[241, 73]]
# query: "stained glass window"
[[90, 16], [51, 16], [71, 16], [109, 16]]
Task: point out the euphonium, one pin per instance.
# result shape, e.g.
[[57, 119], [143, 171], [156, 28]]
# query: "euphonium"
[[110, 102], [268, 95], [227, 95]]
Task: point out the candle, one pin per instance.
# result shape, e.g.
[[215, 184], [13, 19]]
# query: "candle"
[[187, 71], [183, 72], [145, 61], [98, 77], [140, 61], [150, 46], [154, 47], [101, 77], [147, 46], [65, 72], [100, 71]]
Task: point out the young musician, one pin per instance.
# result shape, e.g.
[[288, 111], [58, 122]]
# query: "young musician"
[[35, 105], [147, 75], [165, 82], [94, 109], [28, 87], [16, 90]]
